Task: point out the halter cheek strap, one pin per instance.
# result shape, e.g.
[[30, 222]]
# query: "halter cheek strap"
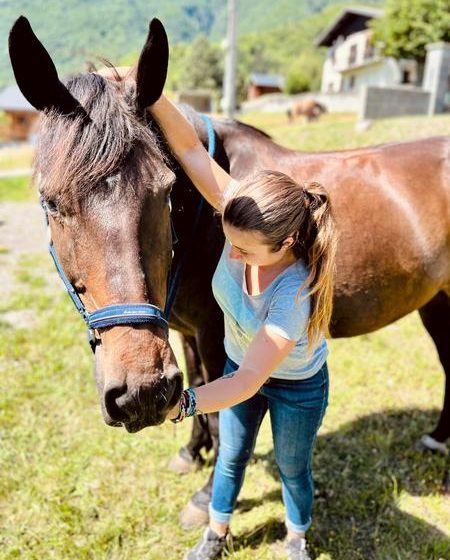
[[131, 313]]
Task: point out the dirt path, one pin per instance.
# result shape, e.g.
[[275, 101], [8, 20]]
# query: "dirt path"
[[19, 172], [22, 233]]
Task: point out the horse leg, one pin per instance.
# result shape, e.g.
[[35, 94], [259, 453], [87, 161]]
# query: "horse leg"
[[189, 458], [435, 316], [212, 354]]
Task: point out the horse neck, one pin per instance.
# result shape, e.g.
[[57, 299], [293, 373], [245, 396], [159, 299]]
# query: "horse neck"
[[249, 149]]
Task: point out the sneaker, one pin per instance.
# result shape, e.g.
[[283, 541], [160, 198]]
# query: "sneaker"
[[209, 547], [297, 549]]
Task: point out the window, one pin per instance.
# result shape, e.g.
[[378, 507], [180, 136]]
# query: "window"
[[406, 77], [369, 50], [353, 54], [333, 56]]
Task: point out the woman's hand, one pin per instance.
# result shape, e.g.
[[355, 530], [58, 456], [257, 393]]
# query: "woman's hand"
[[118, 73]]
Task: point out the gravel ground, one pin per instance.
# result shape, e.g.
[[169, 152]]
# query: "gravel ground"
[[22, 234]]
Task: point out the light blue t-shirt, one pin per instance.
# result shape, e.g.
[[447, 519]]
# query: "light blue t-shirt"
[[277, 307]]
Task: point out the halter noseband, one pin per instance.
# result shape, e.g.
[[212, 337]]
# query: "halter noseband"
[[131, 313]]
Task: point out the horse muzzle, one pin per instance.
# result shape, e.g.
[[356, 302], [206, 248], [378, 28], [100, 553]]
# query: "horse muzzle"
[[141, 405]]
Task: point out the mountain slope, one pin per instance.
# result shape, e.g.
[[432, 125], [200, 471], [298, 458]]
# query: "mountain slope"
[[75, 31]]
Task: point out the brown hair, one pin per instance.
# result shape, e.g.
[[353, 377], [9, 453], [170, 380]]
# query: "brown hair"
[[274, 205]]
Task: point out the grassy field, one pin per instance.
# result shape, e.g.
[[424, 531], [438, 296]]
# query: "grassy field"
[[72, 488], [337, 131], [16, 189]]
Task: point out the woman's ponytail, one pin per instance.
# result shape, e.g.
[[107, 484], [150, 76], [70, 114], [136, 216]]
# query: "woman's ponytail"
[[319, 249]]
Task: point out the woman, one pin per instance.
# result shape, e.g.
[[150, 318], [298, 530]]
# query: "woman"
[[274, 285]]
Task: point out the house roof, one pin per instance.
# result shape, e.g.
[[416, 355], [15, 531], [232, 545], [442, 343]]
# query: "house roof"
[[11, 99], [350, 20], [267, 80]]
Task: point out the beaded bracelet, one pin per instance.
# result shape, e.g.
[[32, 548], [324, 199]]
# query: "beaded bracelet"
[[188, 405]]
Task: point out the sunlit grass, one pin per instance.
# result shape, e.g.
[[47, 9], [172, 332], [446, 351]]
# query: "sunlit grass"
[[337, 131], [16, 189], [73, 488]]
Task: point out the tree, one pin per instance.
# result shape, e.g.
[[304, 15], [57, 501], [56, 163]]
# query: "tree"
[[408, 25], [202, 66]]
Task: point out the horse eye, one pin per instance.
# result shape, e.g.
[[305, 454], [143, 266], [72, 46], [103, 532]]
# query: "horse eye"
[[51, 206]]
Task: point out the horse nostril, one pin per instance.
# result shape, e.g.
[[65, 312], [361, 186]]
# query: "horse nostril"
[[112, 394]]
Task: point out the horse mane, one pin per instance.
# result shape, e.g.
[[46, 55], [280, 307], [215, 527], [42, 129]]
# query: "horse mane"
[[253, 129], [74, 157], [193, 116]]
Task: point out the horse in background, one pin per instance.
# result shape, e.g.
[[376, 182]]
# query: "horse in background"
[[309, 108]]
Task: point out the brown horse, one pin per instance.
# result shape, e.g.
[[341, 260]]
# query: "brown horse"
[[310, 108], [105, 174]]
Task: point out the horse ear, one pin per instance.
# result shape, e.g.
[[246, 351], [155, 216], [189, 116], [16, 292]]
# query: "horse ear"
[[36, 74], [152, 66]]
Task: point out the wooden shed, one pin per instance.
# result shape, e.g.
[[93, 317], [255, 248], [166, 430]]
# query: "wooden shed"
[[21, 117], [264, 83]]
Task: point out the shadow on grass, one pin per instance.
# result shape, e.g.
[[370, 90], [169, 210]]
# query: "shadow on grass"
[[363, 472]]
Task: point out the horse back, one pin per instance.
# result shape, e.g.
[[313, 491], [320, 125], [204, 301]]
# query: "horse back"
[[391, 205], [392, 210]]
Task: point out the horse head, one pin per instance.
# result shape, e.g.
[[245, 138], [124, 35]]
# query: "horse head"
[[105, 184]]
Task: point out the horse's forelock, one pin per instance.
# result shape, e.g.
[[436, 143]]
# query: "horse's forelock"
[[73, 155]]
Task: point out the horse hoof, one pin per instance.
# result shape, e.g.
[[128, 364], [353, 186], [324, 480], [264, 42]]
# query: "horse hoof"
[[184, 463], [192, 517], [427, 443]]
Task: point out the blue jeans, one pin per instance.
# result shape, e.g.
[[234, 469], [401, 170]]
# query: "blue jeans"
[[296, 411]]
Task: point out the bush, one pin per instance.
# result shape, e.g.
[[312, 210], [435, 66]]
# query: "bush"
[[297, 82]]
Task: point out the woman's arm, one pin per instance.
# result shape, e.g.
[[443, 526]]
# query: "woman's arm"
[[264, 355], [209, 178]]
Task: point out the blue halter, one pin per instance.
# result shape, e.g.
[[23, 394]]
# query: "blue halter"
[[132, 313]]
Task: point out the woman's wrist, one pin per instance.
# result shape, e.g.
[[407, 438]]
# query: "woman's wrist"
[[187, 406]]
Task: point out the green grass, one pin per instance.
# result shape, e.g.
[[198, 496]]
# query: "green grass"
[[16, 189], [337, 131], [73, 488]]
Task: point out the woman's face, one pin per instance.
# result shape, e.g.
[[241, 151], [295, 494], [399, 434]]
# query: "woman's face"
[[251, 247]]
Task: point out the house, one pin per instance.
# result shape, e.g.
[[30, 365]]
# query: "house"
[[264, 83], [21, 116], [354, 61]]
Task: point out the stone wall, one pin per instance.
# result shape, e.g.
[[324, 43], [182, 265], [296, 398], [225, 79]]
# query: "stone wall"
[[383, 102], [200, 100]]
